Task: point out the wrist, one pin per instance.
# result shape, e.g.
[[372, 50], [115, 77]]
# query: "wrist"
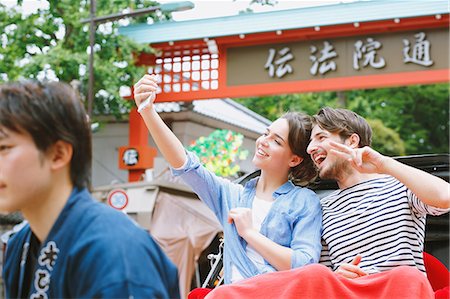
[[385, 163], [249, 234]]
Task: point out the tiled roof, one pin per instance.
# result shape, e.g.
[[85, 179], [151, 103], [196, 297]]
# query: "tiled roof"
[[225, 110], [325, 15]]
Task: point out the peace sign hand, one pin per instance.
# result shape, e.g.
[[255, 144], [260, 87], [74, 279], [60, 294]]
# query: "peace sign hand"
[[364, 159]]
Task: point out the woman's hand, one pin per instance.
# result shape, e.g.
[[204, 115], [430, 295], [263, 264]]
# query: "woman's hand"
[[242, 218], [145, 89]]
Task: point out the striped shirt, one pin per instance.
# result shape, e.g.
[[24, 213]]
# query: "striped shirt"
[[380, 219]]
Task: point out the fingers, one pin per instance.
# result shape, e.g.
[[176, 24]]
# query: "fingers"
[[144, 88], [147, 80], [238, 215], [143, 95], [341, 147], [341, 150], [354, 155], [236, 211], [340, 154], [232, 214], [242, 219], [346, 273], [358, 157], [356, 260], [351, 270]]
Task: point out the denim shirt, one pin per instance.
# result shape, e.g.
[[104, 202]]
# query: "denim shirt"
[[294, 221]]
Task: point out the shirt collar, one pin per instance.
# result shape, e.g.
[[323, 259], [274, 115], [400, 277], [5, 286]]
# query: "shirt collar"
[[283, 189]]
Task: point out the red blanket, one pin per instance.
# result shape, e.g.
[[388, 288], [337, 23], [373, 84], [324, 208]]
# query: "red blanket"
[[317, 281]]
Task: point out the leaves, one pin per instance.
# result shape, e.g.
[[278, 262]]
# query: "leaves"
[[219, 152], [53, 44], [386, 140]]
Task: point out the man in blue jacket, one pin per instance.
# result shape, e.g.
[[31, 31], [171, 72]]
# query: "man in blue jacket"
[[72, 246]]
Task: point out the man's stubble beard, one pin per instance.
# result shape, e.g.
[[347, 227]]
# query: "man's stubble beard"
[[337, 170]]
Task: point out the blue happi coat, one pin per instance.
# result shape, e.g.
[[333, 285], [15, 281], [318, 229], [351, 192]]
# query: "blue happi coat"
[[92, 251]]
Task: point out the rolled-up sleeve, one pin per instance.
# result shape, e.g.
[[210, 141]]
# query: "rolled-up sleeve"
[[214, 191]]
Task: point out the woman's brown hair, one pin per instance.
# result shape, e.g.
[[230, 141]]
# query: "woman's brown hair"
[[300, 126]]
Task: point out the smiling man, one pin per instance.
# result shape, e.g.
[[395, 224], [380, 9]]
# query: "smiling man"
[[72, 245], [377, 216], [373, 225]]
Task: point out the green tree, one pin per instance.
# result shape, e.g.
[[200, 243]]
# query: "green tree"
[[52, 43], [220, 151], [419, 113], [386, 140], [273, 107]]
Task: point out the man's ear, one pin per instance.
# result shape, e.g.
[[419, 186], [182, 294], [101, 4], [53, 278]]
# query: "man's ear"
[[296, 160], [60, 154], [353, 140]]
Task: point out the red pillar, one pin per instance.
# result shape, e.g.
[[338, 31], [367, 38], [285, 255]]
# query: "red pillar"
[[137, 156]]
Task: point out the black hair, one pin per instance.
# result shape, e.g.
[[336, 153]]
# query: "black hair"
[[50, 112]]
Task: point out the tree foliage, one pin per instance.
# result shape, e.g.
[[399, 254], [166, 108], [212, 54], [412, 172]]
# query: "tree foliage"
[[386, 140], [419, 114], [258, 3], [52, 43], [219, 152]]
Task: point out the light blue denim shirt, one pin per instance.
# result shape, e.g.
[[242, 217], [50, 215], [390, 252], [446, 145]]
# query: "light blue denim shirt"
[[294, 221]]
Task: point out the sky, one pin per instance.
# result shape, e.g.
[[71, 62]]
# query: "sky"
[[206, 8], [217, 8]]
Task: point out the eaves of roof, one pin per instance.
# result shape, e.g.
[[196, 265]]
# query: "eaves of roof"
[[248, 23], [225, 110]]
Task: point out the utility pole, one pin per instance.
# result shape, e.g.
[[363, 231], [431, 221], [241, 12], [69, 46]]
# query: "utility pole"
[[92, 29], [94, 21]]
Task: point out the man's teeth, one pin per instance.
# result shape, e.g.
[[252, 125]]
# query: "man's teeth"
[[320, 159]]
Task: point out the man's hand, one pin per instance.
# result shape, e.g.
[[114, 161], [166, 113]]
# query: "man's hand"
[[242, 218], [365, 160], [351, 270], [145, 88]]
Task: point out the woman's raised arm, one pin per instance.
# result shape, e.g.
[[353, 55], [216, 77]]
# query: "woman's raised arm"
[[167, 143]]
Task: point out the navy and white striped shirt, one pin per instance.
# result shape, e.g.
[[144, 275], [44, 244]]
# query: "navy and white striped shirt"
[[381, 219]]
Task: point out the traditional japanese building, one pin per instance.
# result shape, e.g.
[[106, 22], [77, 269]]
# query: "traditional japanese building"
[[363, 44]]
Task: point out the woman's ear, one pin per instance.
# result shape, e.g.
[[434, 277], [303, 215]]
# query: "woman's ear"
[[296, 160], [353, 140], [60, 154]]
